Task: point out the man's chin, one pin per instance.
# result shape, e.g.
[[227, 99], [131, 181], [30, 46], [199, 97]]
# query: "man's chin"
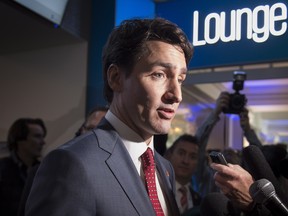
[[164, 128]]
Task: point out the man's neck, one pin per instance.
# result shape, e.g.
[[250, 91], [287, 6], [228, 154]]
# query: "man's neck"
[[182, 182], [28, 161]]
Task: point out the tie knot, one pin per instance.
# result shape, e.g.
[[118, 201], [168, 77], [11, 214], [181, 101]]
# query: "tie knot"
[[147, 158], [183, 190]]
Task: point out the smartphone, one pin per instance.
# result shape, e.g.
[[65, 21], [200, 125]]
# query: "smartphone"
[[218, 157]]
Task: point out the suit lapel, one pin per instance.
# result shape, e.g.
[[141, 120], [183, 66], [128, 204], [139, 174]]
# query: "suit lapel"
[[123, 168], [129, 179], [167, 179]]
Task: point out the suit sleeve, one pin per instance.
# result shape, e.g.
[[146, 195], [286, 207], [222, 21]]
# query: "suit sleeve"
[[252, 138], [61, 187], [203, 181]]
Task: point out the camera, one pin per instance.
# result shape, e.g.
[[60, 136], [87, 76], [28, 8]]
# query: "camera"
[[237, 100]]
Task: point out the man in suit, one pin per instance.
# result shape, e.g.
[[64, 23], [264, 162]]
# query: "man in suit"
[[183, 155], [103, 171]]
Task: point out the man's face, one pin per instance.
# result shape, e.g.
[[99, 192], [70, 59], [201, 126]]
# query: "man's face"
[[32, 146], [150, 96], [184, 159]]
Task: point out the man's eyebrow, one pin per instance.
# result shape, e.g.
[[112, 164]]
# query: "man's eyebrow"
[[169, 65]]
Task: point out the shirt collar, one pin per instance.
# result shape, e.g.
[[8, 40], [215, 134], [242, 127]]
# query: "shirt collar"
[[134, 144], [178, 186]]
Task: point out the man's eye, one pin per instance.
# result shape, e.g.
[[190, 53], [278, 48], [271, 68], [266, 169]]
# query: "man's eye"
[[181, 153], [193, 157], [38, 136], [181, 80], [158, 75]]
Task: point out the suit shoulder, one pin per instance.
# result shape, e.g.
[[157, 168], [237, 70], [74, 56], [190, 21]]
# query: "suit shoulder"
[[93, 142]]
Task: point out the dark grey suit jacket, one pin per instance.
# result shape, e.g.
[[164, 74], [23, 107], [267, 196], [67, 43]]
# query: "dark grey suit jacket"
[[94, 175]]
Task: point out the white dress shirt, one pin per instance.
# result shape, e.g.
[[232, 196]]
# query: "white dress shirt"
[[135, 146]]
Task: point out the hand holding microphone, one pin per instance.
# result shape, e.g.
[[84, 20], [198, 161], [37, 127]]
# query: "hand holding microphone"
[[239, 186], [234, 182]]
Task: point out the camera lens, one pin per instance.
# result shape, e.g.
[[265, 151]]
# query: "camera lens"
[[237, 101], [238, 85]]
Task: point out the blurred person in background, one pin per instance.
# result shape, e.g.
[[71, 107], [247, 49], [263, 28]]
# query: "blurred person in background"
[[203, 181], [183, 155], [25, 141], [92, 120]]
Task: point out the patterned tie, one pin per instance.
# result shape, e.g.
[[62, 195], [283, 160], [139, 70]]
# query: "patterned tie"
[[149, 173], [184, 199]]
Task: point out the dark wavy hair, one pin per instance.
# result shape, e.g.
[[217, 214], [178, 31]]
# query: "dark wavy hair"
[[186, 138], [126, 44], [19, 131]]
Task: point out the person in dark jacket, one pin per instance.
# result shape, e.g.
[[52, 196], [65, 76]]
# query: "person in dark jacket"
[[183, 155], [25, 141]]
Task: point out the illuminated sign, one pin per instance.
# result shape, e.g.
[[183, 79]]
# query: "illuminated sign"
[[231, 32], [258, 33]]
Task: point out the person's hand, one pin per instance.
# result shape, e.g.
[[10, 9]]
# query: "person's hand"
[[234, 182], [222, 102], [244, 120]]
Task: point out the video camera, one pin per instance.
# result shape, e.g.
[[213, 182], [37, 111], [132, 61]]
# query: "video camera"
[[237, 100]]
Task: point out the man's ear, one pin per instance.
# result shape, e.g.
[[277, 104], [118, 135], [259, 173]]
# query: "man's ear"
[[115, 77]]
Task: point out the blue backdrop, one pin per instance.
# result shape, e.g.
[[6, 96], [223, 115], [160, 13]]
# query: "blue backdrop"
[[244, 51]]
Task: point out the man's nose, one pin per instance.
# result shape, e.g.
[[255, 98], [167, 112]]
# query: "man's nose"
[[174, 92]]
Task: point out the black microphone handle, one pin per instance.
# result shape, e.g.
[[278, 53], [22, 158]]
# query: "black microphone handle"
[[276, 207]]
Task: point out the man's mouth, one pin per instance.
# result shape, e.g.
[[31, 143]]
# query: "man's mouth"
[[166, 113]]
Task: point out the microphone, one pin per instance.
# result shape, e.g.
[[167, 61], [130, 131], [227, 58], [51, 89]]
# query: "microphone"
[[217, 204], [262, 191], [259, 168]]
